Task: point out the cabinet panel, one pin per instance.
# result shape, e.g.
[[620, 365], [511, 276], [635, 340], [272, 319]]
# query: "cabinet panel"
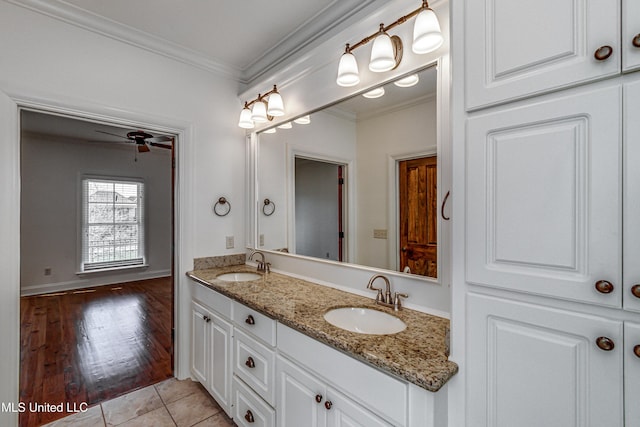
[[525, 48], [255, 323], [630, 32], [343, 412], [631, 374], [199, 343], [301, 397], [534, 366], [543, 197], [221, 357], [631, 220], [248, 409], [255, 365]]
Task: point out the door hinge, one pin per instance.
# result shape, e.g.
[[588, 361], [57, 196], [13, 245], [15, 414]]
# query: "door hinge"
[[341, 234], [340, 181]]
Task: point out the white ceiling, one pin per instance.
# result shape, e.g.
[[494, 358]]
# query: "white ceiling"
[[241, 38]]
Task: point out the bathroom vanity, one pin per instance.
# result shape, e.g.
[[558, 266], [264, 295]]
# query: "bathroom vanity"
[[263, 349]]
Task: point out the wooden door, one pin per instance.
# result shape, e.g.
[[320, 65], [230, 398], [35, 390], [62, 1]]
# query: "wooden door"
[[418, 186]]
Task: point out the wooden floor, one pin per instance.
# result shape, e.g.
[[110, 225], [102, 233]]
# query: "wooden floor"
[[92, 345]]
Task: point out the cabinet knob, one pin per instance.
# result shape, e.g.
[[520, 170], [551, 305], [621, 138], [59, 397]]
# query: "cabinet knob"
[[603, 53], [250, 320], [250, 362], [605, 343], [249, 416], [636, 41], [206, 319], [319, 396], [328, 404], [636, 350], [604, 286], [635, 290]]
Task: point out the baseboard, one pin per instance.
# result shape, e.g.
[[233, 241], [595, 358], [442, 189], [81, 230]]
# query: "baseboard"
[[47, 288]]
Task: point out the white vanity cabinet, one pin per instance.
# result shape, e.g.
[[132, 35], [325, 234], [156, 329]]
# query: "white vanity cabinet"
[[516, 49], [211, 344]]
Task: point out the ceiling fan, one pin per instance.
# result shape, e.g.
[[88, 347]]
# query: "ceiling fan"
[[144, 139]]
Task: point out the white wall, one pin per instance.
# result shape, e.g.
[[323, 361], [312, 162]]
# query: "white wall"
[[50, 216]]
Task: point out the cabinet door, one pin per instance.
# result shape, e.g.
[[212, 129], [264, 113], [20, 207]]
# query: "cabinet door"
[[221, 361], [630, 35], [301, 397], [544, 197], [518, 48], [532, 366], [344, 412], [200, 343], [631, 220], [632, 374]]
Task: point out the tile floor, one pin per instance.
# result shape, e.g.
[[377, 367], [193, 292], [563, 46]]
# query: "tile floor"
[[169, 403]]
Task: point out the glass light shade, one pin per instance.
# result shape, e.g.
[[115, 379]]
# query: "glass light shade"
[[348, 71], [275, 107], [427, 36], [375, 93], [287, 125], [245, 121], [259, 112], [382, 55], [272, 130], [304, 120], [408, 81]]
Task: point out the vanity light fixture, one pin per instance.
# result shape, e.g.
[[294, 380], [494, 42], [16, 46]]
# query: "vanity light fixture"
[[375, 93], [386, 52], [262, 109], [287, 125], [304, 120], [272, 130], [408, 81]]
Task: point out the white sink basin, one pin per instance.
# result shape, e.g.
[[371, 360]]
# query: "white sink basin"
[[364, 321], [239, 277]]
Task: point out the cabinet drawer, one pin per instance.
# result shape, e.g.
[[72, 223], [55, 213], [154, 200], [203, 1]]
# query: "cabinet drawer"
[[255, 364], [211, 299], [255, 323], [249, 410]]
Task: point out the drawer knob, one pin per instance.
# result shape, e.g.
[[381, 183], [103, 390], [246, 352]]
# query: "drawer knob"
[[635, 290], [206, 319], [328, 404], [249, 416], [605, 343], [250, 320], [250, 363], [636, 41], [319, 396], [603, 53], [636, 350], [604, 286]]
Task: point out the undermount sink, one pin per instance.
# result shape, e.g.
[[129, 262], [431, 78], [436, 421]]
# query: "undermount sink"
[[242, 276], [364, 321]]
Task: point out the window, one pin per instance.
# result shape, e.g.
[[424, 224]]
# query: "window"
[[112, 223]]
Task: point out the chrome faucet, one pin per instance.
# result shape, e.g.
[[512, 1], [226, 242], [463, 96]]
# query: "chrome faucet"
[[385, 299], [262, 264]]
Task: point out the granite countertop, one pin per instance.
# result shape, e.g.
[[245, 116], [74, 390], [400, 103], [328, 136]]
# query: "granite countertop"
[[418, 354]]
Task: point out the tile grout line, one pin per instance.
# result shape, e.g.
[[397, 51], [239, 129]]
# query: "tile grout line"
[[165, 404]]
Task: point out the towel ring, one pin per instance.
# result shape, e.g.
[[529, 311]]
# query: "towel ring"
[[265, 208], [217, 208]]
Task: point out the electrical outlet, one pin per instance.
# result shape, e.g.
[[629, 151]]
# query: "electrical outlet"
[[262, 240], [379, 234], [47, 271], [230, 243]]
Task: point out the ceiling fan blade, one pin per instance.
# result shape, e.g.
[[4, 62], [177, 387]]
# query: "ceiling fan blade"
[[113, 134], [160, 139], [142, 148], [155, 144]]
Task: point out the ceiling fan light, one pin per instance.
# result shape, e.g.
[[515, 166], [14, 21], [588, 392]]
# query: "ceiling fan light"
[[348, 71], [245, 121], [427, 35], [275, 107], [259, 112], [382, 54], [375, 93], [304, 120], [408, 81]]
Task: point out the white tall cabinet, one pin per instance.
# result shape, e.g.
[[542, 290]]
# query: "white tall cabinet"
[[550, 295]]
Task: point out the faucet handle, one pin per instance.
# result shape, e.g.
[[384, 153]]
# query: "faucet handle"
[[397, 303], [267, 267]]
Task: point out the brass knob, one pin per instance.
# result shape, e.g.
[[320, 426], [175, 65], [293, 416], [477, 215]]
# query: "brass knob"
[[250, 320], [636, 350], [603, 53], [206, 319], [328, 404], [635, 290], [250, 363], [318, 398], [636, 41], [604, 286], [249, 416], [605, 343]]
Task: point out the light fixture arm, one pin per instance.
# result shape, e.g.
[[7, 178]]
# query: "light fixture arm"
[[261, 97]]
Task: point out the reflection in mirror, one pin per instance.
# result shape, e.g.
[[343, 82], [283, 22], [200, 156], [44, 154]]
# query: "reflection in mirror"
[[357, 182]]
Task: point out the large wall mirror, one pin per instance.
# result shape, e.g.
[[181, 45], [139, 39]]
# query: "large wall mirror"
[[357, 182]]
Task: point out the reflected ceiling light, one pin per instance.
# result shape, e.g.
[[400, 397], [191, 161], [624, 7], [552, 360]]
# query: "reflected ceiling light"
[[408, 81], [386, 52], [272, 130], [287, 125], [261, 109], [375, 93], [304, 120]]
